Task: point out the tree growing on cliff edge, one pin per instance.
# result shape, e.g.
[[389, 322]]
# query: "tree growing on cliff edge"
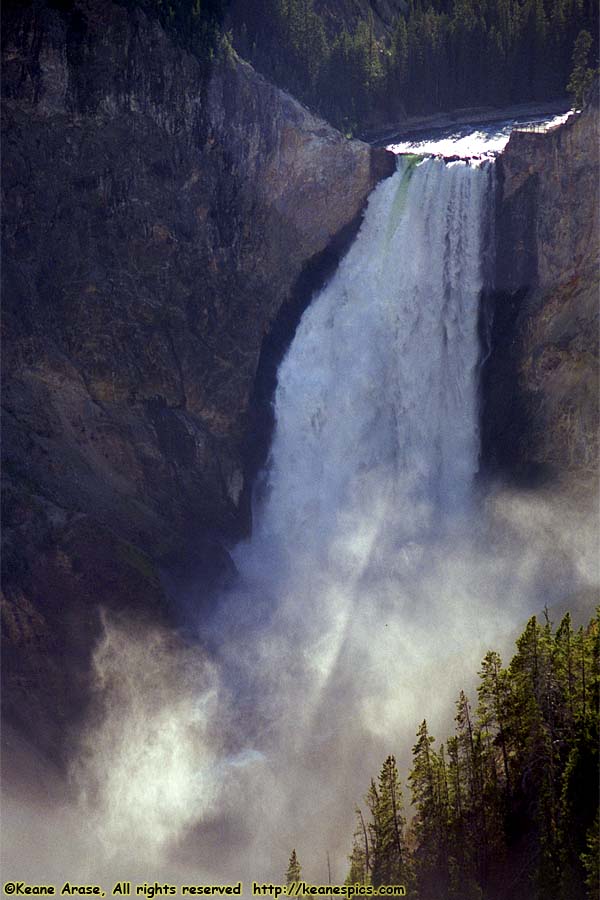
[[582, 75]]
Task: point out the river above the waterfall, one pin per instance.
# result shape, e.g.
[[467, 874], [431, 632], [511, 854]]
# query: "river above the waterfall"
[[473, 139]]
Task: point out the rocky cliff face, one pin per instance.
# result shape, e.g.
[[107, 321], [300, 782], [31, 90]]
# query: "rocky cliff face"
[[541, 381], [156, 223]]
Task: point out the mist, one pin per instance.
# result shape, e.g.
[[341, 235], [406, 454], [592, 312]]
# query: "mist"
[[379, 573], [200, 766]]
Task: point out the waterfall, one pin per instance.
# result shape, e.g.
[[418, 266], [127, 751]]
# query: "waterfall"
[[376, 441], [360, 582]]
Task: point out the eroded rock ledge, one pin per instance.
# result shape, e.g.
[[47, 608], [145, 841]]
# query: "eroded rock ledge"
[[155, 223], [541, 382]]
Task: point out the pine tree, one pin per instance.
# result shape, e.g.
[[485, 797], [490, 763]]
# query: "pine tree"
[[294, 871], [360, 858], [431, 822], [494, 707], [581, 73], [564, 664], [472, 753], [535, 722], [390, 862], [591, 860], [580, 784]]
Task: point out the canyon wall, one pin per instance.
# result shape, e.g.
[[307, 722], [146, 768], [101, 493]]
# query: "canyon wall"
[[157, 220], [541, 384]]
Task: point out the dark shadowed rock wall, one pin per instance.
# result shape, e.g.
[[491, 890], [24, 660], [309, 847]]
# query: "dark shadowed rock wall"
[[541, 382], [156, 222]]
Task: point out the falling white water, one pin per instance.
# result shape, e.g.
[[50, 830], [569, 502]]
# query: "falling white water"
[[377, 439], [369, 481]]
